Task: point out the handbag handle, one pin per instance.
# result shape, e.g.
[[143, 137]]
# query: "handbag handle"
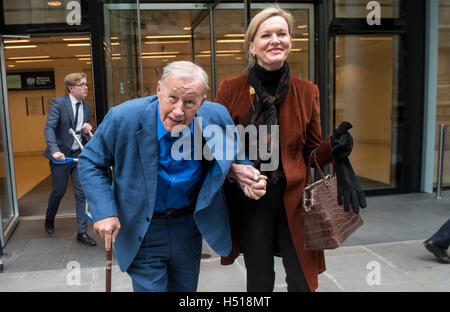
[[309, 178]]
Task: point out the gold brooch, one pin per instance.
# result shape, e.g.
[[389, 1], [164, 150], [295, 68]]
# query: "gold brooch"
[[252, 92]]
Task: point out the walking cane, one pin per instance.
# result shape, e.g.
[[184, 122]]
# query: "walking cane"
[[88, 214], [108, 268]]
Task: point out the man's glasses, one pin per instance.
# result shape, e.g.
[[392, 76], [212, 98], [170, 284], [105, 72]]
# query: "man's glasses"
[[82, 85]]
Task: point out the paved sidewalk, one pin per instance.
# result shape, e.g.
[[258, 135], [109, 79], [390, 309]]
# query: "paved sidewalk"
[[378, 257]]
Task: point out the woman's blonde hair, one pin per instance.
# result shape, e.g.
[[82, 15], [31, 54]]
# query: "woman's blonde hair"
[[260, 18]]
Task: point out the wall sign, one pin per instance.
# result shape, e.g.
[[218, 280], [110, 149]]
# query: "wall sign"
[[31, 80]]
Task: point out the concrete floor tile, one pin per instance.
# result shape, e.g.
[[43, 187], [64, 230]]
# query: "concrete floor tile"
[[215, 277]]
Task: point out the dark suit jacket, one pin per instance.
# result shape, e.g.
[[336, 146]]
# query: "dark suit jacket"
[[300, 134], [60, 119]]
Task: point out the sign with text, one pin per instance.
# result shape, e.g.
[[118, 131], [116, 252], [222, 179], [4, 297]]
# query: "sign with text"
[[31, 80]]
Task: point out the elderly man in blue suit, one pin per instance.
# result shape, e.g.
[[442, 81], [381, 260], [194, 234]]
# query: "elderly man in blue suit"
[[70, 111], [160, 205]]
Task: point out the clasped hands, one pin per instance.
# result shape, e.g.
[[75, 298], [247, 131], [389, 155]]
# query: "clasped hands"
[[252, 182]]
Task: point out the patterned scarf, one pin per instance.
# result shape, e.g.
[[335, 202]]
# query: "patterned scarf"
[[265, 108]]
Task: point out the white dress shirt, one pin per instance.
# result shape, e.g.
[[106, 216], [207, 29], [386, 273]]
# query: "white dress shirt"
[[75, 145]]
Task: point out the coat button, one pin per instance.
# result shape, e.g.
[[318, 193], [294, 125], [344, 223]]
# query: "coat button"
[[147, 219], [139, 238]]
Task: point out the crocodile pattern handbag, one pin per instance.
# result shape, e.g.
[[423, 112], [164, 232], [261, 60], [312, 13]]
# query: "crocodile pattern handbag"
[[327, 225]]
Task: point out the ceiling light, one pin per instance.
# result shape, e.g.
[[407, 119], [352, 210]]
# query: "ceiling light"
[[84, 59], [301, 39], [217, 55], [375, 38], [21, 47], [234, 35], [54, 3], [17, 41], [76, 39], [168, 37], [223, 51], [187, 28], [78, 44], [166, 42], [302, 26], [230, 40], [159, 53], [34, 61], [82, 55], [158, 56], [27, 57]]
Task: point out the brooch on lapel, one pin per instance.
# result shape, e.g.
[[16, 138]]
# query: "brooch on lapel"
[[252, 92]]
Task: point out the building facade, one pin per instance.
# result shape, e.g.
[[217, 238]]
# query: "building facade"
[[382, 65]]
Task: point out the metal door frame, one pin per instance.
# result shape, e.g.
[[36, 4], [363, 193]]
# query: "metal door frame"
[[5, 233]]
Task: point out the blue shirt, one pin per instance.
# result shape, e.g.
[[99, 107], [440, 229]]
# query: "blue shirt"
[[178, 180]]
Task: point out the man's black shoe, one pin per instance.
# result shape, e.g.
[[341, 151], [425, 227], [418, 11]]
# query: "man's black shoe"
[[440, 253], [49, 226], [85, 239]]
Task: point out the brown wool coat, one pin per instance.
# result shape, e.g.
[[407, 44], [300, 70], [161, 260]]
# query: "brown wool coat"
[[300, 133]]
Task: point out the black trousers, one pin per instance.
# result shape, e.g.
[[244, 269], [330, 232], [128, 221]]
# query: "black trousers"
[[263, 228], [60, 178]]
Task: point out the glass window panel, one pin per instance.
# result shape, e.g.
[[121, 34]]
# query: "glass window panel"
[[358, 8], [366, 95], [298, 59], [35, 12], [121, 56], [443, 87], [202, 49], [230, 32], [167, 37]]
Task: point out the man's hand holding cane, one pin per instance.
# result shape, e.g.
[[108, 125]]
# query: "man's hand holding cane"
[[108, 229]]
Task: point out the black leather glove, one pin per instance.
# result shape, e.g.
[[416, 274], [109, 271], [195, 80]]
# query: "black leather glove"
[[341, 141], [348, 187]]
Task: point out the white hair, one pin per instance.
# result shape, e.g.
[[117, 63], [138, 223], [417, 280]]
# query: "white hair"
[[185, 70]]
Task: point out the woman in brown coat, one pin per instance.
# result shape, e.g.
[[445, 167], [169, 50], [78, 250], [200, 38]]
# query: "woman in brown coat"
[[268, 95]]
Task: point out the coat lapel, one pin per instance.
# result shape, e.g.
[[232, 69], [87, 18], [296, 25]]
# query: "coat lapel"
[[86, 112], [69, 109], [147, 142]]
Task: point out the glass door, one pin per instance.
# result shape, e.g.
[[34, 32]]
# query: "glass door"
[[141, 41], [367, 94], [230, 32], [8, 202]]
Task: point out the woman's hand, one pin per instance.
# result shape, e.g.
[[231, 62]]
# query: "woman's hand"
[[252, 182]]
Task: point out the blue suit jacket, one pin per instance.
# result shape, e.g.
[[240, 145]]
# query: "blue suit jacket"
[[127, 140], [59, 120]]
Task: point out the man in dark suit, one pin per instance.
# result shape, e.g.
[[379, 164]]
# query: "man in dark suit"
[[70, 111]]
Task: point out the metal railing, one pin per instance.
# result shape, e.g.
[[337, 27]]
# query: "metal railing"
[[440, 169]]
